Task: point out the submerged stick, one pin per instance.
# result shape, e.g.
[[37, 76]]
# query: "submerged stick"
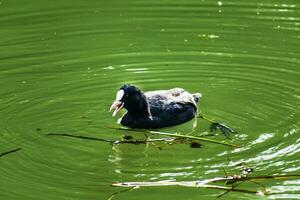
[[194, 138], [226, 130], [233, 179], [81, 137], [118, 192], [180, 183], [273, 177], [182, 136], [205, 118], [208, 183], [112, 141], [227, 191], [8, 152]]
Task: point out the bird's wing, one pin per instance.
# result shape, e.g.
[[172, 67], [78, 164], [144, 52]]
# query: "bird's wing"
[[171, 100]]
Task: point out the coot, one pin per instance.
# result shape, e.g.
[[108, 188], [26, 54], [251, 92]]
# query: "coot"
[[155, 109]]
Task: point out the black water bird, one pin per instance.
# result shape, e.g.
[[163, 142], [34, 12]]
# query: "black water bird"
[[155, 109]]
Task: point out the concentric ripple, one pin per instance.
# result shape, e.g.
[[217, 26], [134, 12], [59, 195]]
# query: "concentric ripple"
[[62, 62]]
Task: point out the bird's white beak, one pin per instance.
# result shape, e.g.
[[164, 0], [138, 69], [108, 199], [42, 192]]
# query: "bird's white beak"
[[117, 104]]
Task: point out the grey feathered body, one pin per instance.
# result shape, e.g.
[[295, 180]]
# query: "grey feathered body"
[[167, 108]]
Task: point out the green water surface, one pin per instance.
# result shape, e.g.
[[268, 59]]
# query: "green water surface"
[[61, 63]]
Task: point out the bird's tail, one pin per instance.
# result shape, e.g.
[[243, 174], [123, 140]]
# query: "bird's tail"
[[197, 97]]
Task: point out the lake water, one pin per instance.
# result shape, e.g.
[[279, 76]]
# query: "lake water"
[[62, 62]]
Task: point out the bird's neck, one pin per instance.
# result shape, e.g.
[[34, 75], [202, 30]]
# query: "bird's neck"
[[141, 109]]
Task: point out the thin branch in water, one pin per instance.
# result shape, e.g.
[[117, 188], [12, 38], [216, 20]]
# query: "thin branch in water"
[[153, 143], [118, 192], [264, 190], [224, 170], [112, 141], [214, 126], [175, 135], [276, 177], [206, 134], [10, 151], [81, 137], [233, 187], [196, 184], [208, 183], [205, 118], [260, 184], [230, 189], [238, 178], [226, 130], [142, 141]]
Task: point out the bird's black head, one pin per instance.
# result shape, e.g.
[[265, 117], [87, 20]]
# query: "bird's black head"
[[132, 99]]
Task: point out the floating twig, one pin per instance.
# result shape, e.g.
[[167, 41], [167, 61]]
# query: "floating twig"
[[238, 178], [118, 192], [208, 183], [175, 135], [226, 130], [10, 151], [214, 126], [113, 141], [81, 137], [227, 191], [195, 138], [196, 184], [265, 177]]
